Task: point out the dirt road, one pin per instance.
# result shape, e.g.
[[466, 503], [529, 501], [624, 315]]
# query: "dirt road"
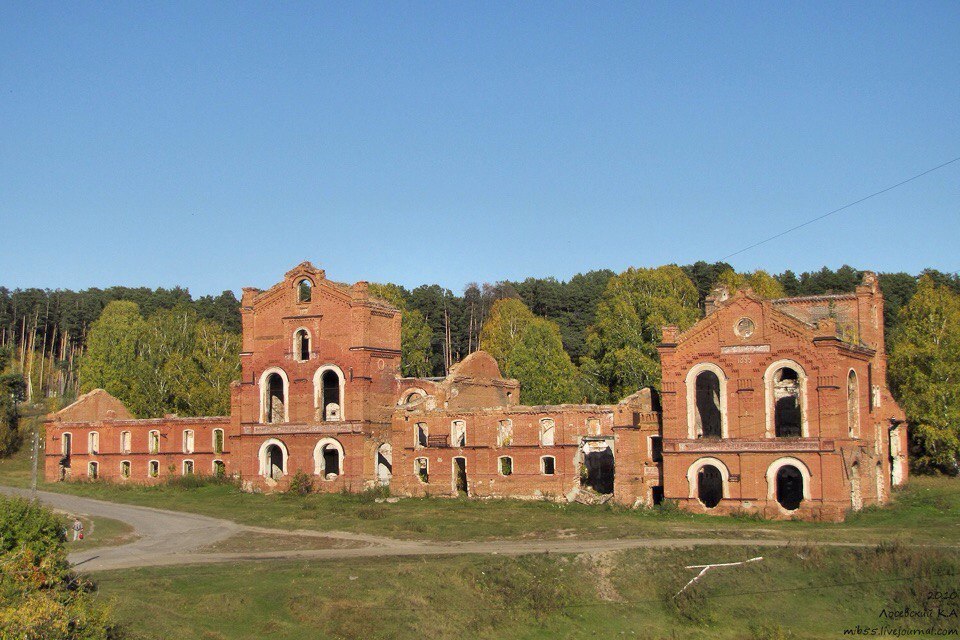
[[174, 537]]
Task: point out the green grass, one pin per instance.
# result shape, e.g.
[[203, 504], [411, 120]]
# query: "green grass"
[[792, 593], [927, 511]]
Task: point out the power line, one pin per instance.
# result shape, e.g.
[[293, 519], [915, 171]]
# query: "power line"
[[839, 209]]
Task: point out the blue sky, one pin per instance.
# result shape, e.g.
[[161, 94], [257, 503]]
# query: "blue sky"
[[216, 145]]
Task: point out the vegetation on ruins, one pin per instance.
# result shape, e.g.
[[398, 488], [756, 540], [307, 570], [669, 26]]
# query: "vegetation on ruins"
[[171, 353], [925, 370], [39, 596]]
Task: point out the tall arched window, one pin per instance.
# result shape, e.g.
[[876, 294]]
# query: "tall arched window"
[[328, 388], [706, 386], [304, 291], [273, 396], [707, 408], [853, 404], [93, 442], [785, 390], [301, 345]]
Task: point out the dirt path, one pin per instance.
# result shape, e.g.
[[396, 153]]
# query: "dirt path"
[[174, 537]]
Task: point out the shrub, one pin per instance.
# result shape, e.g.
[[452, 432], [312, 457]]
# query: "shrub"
[[301, 484], [39, 596]]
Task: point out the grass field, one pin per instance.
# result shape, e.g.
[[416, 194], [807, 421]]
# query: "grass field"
[[792, 593], [927, 511]]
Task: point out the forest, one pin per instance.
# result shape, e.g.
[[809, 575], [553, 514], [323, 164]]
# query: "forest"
[[590, 338]]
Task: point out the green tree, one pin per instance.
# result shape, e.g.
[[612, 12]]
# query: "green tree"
[[416, 336], [185, 365], [623, 341], [925, 370], [762, 283], [544, 369], [12, 389], [110, 362], [530, 349]]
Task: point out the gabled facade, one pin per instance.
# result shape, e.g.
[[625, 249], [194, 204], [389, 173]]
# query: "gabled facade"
[[781, 406], [773, 406]]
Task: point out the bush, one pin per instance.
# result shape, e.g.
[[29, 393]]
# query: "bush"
[[39, 596], [301, 484]]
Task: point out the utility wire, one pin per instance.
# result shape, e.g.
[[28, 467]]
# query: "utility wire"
[[838, 210]]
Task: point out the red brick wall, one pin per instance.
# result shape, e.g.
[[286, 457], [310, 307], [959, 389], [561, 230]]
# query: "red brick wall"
[[109, 456]]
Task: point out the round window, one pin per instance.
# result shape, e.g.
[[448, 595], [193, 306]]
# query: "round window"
[[745, 327]]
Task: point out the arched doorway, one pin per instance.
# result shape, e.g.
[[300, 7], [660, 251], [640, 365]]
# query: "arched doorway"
[[709, 486], [789, 487], [708, 405]]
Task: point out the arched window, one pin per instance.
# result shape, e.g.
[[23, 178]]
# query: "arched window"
[[154, 441], [93, 443], [548, 432], [188, 467], [458, 433], [706, 386], [219, 469], [217, 441], [66, 445], [328, 394], [301, 345], [411, 397], [93, 470], [153, 468], [188, 441], [785, 391], [124, 442], [328, 459], [273, 396], [273, 459], [853, 405], [304, 291], [125, 469], [505, 466]]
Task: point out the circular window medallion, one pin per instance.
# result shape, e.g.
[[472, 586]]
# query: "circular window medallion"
[[745, 327]]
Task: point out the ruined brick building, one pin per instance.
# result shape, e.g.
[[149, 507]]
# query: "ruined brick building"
[[773, 406]]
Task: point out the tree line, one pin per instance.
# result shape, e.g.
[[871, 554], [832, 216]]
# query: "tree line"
[[592, 338]]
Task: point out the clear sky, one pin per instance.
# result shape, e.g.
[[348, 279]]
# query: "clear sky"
[[215, 145]]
